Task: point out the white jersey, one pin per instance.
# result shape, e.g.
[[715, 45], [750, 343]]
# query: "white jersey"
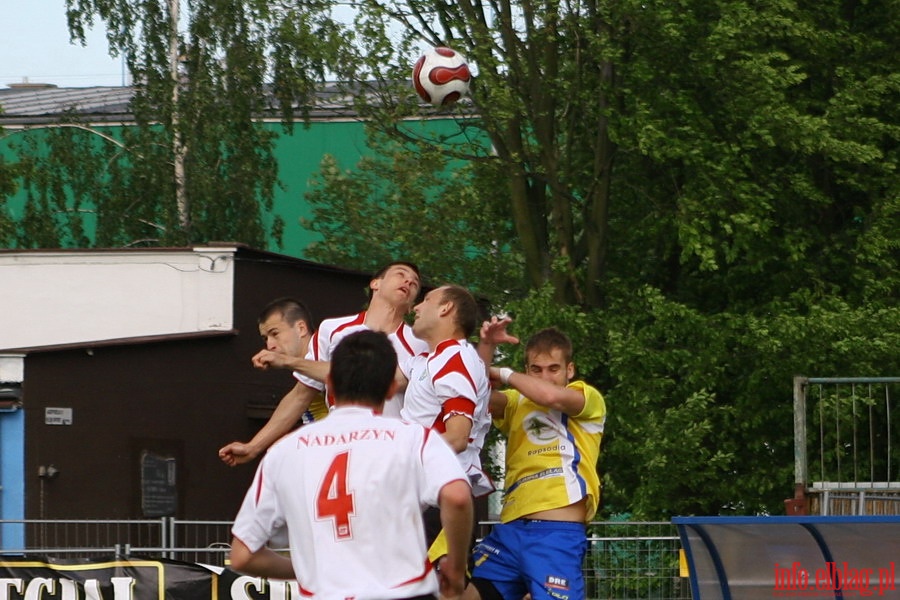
[[351, 490], [332, 331], [451, 381]]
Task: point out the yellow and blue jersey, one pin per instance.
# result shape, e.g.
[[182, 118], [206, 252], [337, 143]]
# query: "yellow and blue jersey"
[[551, 457], [317, 410]]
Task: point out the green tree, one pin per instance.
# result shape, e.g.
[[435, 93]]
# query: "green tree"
[[8, 173], [448, 219], [540, 100], [716, 143], [770, 133], [195, 165], [735, 167]]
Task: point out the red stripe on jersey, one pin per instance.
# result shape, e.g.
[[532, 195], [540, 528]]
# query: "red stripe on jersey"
[[359, 319], [424, 442], [458, 406], [453, 406], [314, 344], [455, 365], [401, 337], [259, 482], [438, 424], [425, 572]]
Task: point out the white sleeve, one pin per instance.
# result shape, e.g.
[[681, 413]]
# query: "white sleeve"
[[405, 365], [317, 350], [440, 466], [456, 392], [260, 517]]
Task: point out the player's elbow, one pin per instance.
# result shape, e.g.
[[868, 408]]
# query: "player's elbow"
[[456, 497], [458, 444], [240, 555]]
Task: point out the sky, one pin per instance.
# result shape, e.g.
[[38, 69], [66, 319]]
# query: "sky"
[[35, 48]]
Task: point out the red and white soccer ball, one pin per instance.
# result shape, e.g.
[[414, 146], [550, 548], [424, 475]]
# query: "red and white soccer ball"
[[441, 76]]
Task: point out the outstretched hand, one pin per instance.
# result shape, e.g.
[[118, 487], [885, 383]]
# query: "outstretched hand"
[[236, 453], [494, 332]]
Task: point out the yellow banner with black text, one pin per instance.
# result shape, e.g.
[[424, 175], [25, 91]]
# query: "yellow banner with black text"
[[132, 579]]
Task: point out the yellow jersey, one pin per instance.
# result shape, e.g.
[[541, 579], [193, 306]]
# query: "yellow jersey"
[[317, 410], [551, 457]]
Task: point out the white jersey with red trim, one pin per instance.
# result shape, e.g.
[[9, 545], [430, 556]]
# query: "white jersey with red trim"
[[332, 331], [351, 490], [451, 381]]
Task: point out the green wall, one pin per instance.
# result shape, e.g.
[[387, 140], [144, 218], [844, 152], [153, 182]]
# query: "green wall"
[[298, 158], [298, 154]]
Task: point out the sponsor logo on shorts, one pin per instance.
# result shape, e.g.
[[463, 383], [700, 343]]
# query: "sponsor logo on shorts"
[[557, 583]]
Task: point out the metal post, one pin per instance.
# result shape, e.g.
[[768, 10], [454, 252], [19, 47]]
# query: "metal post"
[[801, 476]]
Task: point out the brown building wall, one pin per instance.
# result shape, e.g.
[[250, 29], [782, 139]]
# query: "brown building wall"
[[140, 407]]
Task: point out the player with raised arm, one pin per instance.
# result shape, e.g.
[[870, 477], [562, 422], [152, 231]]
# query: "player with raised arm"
[[286, 327], [350, 490], [393, 290], [553, 427]]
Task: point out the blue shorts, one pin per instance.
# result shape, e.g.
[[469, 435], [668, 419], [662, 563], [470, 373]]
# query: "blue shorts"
[[544, 558]]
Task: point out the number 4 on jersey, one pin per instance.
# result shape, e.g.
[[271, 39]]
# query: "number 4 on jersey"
[[333, 500]]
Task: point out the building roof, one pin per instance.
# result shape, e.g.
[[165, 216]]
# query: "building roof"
[[29, 104], [34, 101]]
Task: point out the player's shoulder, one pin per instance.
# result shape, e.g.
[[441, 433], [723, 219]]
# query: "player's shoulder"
[[589, 391], [404, 334], [333, 323], [335, 329], [594, 404]]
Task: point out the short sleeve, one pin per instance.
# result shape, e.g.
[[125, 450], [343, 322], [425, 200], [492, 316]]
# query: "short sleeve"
[[260, 518], [512, 403], [440, 466], [594, 405], [317, 350]]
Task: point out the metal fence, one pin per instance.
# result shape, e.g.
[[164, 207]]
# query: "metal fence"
[[847, 444], [625, 559]]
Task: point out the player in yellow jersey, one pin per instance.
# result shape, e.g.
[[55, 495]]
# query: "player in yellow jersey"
[[286, 327], [553, 427]]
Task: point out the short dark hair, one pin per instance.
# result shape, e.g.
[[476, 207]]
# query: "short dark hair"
[[547, 340], [466, 307], [290, 309], [380, 273], [363, 367]]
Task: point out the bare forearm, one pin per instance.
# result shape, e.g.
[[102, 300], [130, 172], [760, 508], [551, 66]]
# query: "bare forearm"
[[314, 369], [541, 392], [457, 515], [486, 352], [262, 563], [289, 410]]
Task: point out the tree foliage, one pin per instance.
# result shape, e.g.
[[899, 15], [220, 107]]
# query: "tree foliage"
[[700, 405], [196, 165], [449, 219], [704, 194], [542, 114], [739, 140], [8, 174]]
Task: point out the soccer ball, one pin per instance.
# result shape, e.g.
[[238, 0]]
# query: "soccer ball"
[[441, 76]]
